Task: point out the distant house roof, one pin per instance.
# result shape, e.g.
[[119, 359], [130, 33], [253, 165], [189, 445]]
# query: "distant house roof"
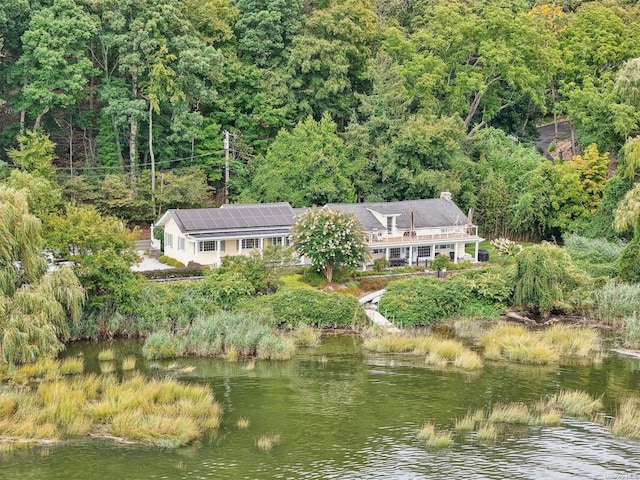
[[231, 217], [433, 212]]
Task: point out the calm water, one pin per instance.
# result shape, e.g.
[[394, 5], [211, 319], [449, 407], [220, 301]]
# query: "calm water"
[[345, 414]]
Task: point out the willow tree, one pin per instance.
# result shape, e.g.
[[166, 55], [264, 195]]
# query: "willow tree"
[[36, 307], [545, 278], [330, 239]]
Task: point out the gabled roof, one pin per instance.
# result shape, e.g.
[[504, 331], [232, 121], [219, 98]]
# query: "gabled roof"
[[433, 212], [231, 217]]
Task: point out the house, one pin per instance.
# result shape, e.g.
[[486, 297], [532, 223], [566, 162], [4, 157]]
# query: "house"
[[415, 231], [207, 235], [410, 232]]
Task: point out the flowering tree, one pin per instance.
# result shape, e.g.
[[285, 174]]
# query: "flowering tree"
[[329, 239]]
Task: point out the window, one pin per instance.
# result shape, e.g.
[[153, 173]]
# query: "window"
[[248, 243], [180, 243], [424, 251], [389, 224], [377, 250], [168, 240], [274, 241], [208, 246], [394, 253]]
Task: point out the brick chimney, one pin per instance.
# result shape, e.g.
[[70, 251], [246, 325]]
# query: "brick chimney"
[[445, 195]]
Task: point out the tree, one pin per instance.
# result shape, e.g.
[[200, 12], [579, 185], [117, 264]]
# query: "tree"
[[545, 277], [330, 239], [36, 306], [101, 250], [54, 66], [307, 166], [627, 215]]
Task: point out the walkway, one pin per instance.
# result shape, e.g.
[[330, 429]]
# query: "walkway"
[[376, 317]]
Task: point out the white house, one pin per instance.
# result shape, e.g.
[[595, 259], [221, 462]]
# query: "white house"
[[415, 231], [409, 232], [207, 235]]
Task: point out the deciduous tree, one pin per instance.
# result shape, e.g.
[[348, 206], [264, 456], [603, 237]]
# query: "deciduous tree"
[[330, 239]]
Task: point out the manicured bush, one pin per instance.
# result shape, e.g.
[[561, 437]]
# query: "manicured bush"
[[172, 262], [295, 306], [422, 300], [380, 264], [372, 284]]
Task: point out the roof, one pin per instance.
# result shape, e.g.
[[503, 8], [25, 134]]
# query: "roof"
[[433, 212], [231, 217]]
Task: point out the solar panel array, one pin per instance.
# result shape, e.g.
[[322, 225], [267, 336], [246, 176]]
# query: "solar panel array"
[[236, 216]]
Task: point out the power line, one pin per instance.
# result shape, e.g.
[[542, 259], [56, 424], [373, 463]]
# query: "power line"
[[112, 167]]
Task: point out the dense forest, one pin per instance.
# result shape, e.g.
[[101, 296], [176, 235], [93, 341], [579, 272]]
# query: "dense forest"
[[128, 102]]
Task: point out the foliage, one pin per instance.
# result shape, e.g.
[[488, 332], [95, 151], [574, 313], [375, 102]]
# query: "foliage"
[[379, 264], [330, 239], [172, 262], [295, 306], [616, 300], [227, 335], [506, 247], [36, 307], [545, 277], [630, 261], [305, 167], [441, 262], [422, 301]]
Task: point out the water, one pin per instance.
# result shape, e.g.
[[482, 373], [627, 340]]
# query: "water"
[[345, 414]]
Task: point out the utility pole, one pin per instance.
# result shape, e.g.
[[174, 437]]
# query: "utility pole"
[[226, 165]]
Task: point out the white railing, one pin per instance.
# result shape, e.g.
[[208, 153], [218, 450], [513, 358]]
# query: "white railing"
[[449, 233]]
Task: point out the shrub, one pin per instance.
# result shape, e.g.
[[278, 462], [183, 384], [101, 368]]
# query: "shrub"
[[170, 261], [368, 284], [422, 301], [630, 261], [441, 262], [295, 306], [494, 284], [379, 264]]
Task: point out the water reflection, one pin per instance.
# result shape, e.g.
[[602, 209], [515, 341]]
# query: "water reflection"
[[346, 414]]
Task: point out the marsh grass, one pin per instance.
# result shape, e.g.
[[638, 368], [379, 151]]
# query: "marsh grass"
[[627, 421], [426, 431], [438, 351], [514, 413], [440, 440], [468, 360], [631, 330], [576, 403], [242, 423], [266, 442], [515, 343], [107, 367], [159, 412], [616, 300], [306, 336], [465, 424], [487, 432], [129, 363], [106, 355], [570, 341], [72, 366]]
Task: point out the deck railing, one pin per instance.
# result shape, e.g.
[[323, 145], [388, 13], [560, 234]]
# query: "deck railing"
[[450, 233]]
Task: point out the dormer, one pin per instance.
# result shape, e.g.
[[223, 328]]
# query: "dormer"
[[387, 220]]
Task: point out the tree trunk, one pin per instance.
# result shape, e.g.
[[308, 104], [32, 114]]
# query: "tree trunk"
[[36, 124], [328, 272], [133, 132], [153, 160]]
